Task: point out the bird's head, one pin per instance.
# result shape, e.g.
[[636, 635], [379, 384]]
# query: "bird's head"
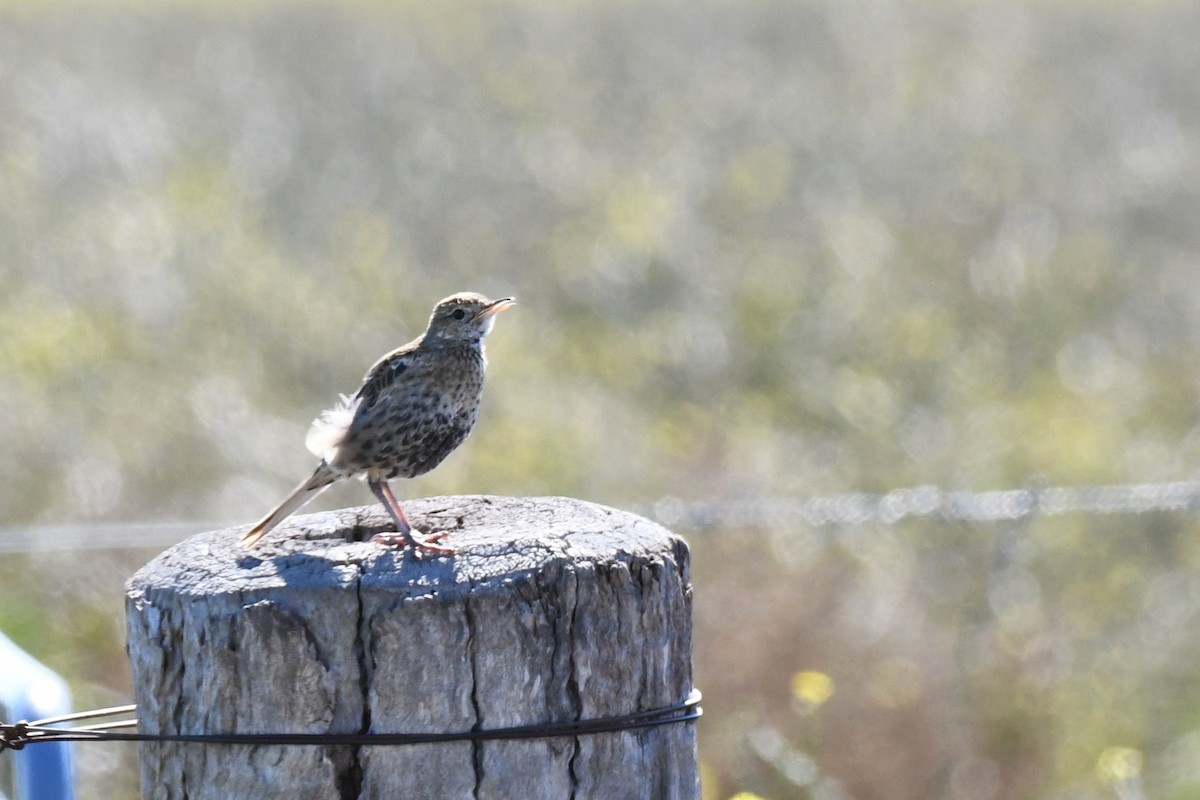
[[465, 317]]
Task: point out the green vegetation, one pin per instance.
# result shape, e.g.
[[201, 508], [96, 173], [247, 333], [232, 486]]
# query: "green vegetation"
[[760, 249]]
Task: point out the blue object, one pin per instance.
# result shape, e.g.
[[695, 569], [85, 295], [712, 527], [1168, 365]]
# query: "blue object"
[[30, 691]]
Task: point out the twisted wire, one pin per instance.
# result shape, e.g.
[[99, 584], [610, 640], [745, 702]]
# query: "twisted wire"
[[15, 736]]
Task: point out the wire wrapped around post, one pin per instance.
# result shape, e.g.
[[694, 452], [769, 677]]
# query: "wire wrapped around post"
[[14, 736]]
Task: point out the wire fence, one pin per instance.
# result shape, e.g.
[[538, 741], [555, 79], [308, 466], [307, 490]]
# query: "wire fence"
[[853, 508], [859, 508], [97, 536]]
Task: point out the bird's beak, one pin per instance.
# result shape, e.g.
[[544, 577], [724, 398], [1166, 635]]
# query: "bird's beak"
[[495, 307]]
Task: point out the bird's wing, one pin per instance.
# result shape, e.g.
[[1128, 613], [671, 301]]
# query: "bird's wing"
[[330, 430], [386, 372]]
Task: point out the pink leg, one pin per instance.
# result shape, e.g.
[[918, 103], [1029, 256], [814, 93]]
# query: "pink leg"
[[404, 531]]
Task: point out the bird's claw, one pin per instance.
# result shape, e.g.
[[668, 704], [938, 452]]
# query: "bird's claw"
[[428, 543]]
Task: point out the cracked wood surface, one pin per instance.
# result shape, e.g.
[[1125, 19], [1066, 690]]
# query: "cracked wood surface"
[[553, 609]]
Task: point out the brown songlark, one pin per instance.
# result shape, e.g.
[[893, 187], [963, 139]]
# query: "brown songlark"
[[416, 405]]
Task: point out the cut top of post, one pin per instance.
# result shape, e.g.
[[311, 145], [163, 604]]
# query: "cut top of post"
[[495, 539]]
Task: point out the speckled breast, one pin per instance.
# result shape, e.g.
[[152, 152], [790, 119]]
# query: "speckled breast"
[[419, 421]]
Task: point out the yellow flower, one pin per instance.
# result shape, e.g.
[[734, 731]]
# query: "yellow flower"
[[812, 688]]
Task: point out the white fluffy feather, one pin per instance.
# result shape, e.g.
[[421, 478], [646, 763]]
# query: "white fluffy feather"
[[328, 431]]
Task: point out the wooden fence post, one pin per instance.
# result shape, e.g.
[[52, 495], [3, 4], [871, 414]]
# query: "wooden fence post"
[[552, 610]]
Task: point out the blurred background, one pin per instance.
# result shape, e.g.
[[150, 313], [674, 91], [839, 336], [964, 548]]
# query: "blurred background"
[[762, 250]]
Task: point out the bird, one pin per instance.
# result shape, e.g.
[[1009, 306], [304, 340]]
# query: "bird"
[[416, 405]]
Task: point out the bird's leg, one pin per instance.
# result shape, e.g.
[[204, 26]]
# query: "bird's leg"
[[404, 531], [391, 505]]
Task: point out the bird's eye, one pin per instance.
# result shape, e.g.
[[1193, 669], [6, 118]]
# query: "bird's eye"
[[458, 313]]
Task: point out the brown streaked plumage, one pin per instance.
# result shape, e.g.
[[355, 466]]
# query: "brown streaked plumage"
[[415, 406]]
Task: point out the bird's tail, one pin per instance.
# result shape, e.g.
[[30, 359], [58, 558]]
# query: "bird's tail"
[[320, 480]]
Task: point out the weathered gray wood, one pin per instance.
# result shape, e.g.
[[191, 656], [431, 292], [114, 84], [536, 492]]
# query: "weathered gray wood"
[[553, 609]]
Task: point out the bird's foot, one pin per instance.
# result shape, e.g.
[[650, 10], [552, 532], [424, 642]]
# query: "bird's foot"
[[427, 543], [430, 542]]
